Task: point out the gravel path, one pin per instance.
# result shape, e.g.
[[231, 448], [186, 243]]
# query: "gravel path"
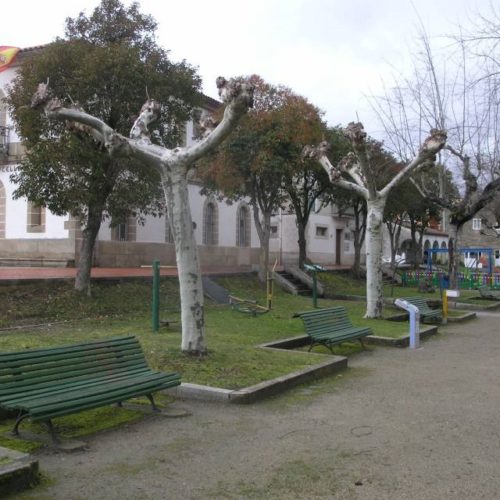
[[398, 424]]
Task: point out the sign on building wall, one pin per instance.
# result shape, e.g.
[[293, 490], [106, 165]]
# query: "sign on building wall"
[[7, 56]]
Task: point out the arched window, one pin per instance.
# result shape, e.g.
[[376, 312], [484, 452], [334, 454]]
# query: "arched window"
[[435, 246], [2, 210], [243, 226], [210, 223]]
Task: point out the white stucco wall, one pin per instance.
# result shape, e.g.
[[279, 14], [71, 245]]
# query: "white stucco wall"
[[320, 249], [16, 216], [154, 229]]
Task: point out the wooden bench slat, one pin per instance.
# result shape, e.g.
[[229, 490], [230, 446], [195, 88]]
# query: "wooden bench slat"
[[101, 362], [91, 346], [73, 356], [53, 382], [36, 372], [46, 392], [113, 398], [95, 390]]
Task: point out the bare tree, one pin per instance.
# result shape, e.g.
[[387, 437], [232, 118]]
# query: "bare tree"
[[448, 91], [173, 166], [358, 166]]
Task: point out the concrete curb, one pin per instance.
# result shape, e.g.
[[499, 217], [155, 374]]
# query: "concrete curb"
[[464, 317], [402, 341], [263, 389], [18, 471], [476, 307]]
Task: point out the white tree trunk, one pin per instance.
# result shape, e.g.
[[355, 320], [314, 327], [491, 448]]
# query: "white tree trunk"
[[188, 266], [374, 284], [364, 183]]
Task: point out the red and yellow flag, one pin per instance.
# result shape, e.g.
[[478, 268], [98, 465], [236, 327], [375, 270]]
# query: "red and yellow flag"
[[7, 56]]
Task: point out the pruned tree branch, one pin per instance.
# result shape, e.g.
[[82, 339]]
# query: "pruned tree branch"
[[238, 95]]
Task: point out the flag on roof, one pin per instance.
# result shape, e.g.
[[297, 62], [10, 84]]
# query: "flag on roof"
[[7, 56]]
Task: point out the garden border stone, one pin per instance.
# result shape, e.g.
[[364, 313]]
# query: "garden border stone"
[[18, 471], [266, 388]]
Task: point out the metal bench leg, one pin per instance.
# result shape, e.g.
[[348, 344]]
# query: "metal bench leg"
[[52, 431], [153, 404], [361, 342], [20, 418], [119, 404]]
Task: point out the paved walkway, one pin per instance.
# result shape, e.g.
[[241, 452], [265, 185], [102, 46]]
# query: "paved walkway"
[[399, 424], [31, 273]]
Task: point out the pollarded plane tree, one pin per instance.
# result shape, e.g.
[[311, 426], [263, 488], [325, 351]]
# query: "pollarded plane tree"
[[355, 173], [450, 89], [173, 166]]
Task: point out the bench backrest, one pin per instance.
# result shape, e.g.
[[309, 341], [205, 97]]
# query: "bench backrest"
[[333, 318], [419, 302], [32, 368]]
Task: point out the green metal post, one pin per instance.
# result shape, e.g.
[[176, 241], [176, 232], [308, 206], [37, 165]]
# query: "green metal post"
[[315, 290], [156, 296]]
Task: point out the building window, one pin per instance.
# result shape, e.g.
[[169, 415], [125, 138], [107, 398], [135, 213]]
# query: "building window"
[[321, 231], [119, 232], [347, 235], [210, 223], [124, 231], [274, 231], [243, 226], [36, 218], [476, 224]]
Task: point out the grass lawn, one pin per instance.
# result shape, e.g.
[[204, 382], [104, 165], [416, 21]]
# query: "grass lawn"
[[123, 308], [342, 283], [51, 313]]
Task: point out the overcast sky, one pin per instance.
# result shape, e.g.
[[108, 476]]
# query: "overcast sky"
[[334, 52]]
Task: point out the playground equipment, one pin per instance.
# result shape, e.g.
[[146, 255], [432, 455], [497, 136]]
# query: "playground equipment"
[[314, 269], [155, 303], [467, 250], [249, 306]]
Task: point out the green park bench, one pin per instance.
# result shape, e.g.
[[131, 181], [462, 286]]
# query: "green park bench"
[[487, 293], [331, 326], [426, 313], [41, 384]]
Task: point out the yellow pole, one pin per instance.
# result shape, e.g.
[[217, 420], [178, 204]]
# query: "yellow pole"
[[445, 307]]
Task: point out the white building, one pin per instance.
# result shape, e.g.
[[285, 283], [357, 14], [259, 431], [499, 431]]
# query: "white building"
[[225, 233]]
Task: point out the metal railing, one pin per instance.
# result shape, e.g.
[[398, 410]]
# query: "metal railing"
[[466, 280]]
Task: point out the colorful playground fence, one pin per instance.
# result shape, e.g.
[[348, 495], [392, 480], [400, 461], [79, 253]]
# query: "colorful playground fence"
[[466, 280]]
